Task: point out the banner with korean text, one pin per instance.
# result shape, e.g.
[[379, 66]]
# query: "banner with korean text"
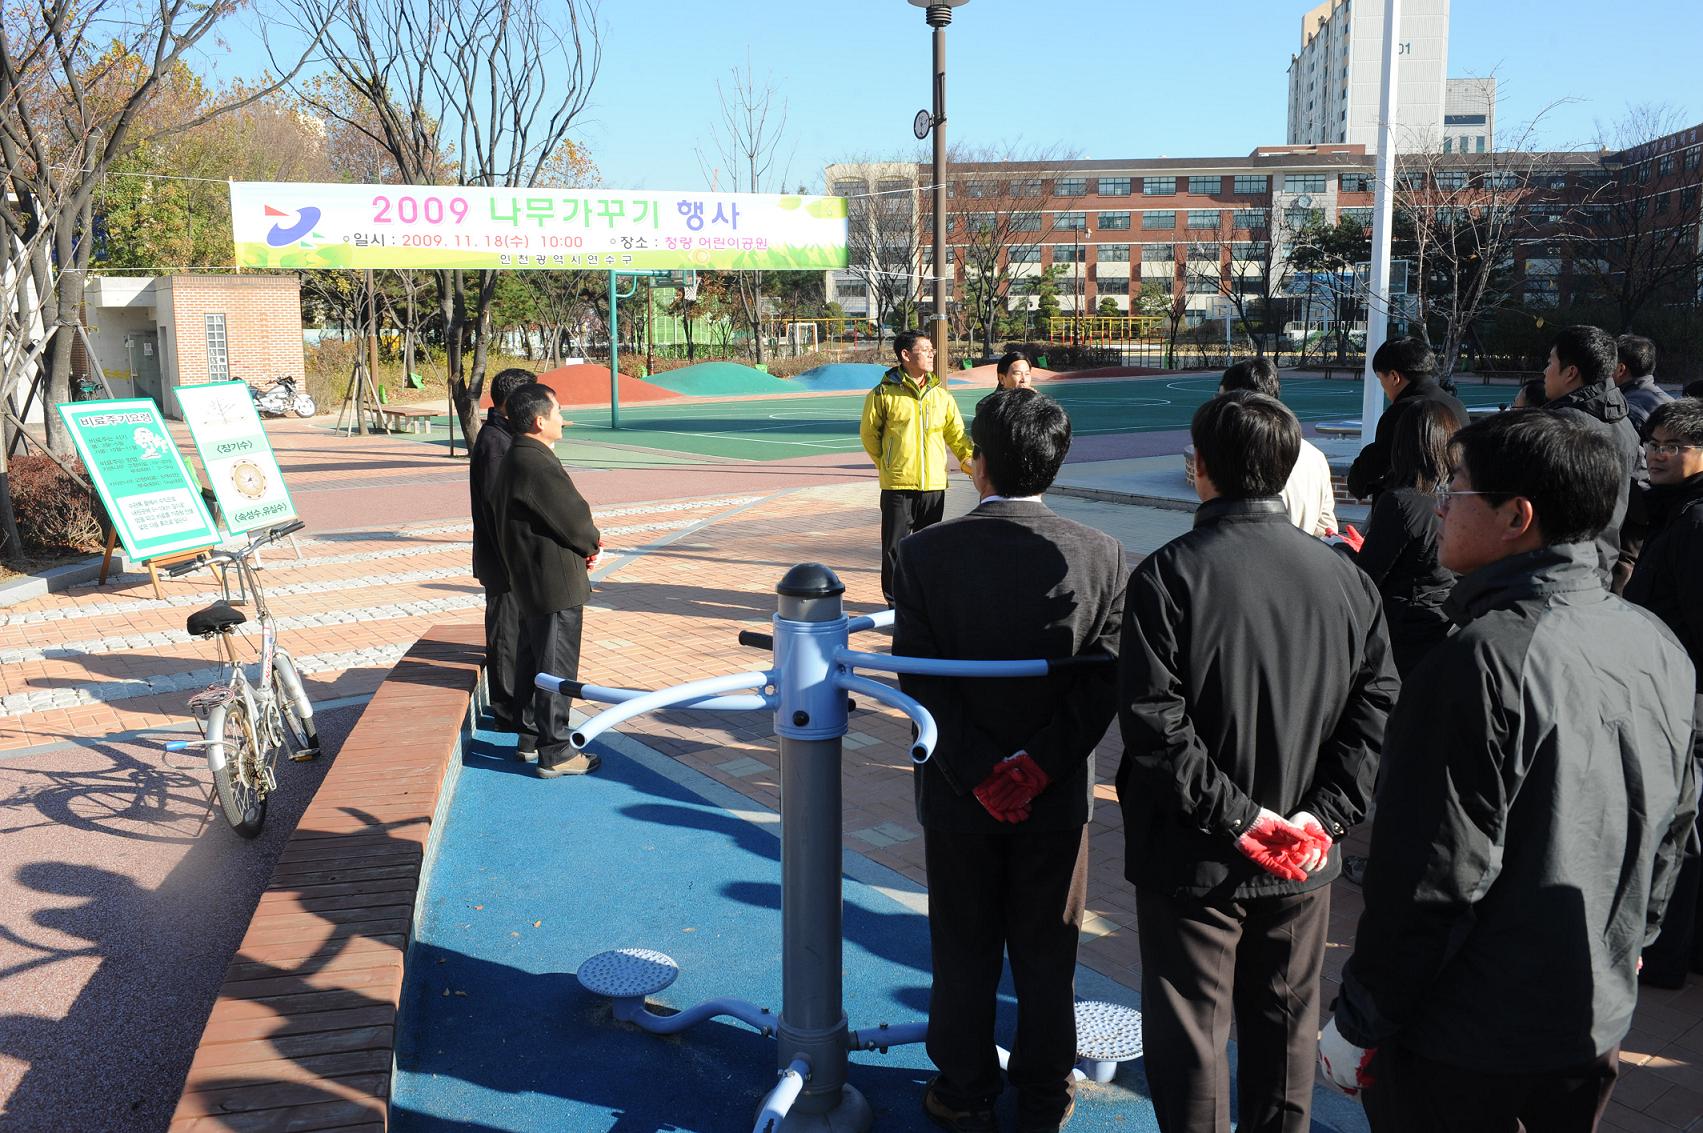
[[236, 455], [154, 503], [308, 225]]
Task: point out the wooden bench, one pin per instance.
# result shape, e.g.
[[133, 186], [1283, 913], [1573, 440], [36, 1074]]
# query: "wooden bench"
[[403, 418], [302, 1036]]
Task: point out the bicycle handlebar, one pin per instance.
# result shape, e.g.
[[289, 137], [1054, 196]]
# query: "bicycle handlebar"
[[756, 640], [181, 569]]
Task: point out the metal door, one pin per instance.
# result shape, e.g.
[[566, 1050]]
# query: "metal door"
[[145, 364]]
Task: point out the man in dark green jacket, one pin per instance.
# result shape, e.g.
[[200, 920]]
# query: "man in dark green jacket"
[[548, 543]]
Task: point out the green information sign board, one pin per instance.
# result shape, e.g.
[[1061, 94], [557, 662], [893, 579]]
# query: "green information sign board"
[[142, 479], [237, 457]]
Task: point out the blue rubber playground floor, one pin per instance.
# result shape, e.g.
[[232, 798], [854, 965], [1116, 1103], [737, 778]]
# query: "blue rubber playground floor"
[[530, 878], [782, 428]]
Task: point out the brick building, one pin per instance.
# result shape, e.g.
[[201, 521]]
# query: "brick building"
[[155, 333]]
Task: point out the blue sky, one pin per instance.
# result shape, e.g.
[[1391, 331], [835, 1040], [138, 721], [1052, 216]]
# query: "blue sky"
[[1100, 78]]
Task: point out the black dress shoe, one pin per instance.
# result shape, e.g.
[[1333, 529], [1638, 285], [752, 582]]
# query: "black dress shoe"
[[958, 1120]]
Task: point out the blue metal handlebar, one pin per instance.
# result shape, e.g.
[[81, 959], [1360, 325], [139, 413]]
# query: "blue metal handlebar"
[[665, 698], [581, 690], [927, 734]]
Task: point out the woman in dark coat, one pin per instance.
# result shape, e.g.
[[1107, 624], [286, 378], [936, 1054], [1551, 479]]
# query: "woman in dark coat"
[[1400, 551]]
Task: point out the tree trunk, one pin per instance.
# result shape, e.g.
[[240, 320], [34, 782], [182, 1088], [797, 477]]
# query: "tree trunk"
[[11, 543]]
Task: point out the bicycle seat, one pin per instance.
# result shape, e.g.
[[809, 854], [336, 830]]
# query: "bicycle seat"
[[215, 618]]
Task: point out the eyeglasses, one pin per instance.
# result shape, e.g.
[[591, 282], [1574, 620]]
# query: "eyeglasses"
[[1447, 492], [1668, 448]]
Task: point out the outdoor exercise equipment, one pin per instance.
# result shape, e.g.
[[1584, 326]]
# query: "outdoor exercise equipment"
[[807, 689]]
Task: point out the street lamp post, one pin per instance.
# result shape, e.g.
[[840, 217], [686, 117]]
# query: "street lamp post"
[[938, 14]]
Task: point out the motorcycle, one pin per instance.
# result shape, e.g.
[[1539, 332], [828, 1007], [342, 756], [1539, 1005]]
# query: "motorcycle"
[[282, 398]]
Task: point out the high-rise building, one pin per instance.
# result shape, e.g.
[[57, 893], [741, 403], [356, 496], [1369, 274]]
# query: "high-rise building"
[[1336, 78], [1469, 116]]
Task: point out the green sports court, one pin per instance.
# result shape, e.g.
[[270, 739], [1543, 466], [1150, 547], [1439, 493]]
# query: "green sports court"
[[785, 428]]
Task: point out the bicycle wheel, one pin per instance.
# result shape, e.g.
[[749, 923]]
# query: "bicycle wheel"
[[235, 764], [300, 732]]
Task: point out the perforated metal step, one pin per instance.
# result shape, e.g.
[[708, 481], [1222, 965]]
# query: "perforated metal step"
[[625, 973]]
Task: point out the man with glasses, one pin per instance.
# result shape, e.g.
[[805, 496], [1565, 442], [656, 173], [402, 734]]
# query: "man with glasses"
[[1666, 582], [1534, 793]]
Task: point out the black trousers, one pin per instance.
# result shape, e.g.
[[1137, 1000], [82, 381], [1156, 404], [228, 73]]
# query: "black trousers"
[[1414, 1094], [1206, 962], [1679, 948], [989, 895], [902, 512], [502, 655], [549, 643]]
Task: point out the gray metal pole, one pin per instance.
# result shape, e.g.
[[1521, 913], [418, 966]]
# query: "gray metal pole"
[[942, 270], [1383, 198], [813, 1019]]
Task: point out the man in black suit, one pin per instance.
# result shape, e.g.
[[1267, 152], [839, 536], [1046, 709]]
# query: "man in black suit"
[[548, 543], [1255, 679], [502, 616], [1006, 798]]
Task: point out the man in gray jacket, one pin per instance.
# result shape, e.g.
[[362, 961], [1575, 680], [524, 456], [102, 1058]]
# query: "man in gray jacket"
[[1531, 810]]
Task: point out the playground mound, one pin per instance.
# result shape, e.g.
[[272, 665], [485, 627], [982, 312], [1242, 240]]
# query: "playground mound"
[[839, 376], [584, 384], [718, 379]]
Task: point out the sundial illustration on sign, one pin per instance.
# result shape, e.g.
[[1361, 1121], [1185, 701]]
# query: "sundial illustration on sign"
[[249, 479]]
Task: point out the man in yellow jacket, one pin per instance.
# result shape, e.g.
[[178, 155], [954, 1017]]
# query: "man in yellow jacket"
[[905, 420]]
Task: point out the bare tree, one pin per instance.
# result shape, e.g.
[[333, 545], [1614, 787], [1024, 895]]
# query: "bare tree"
[[453, 92], [1633, 242], [996, 203], [746, 143], [75, 80], [882, 230]]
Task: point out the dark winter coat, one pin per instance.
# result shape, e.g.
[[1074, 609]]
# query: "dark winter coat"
[[1534, 795], [489, 448], [1367, 474], [1668, 580], [544, 529], [1602, 409], [1400, 557], [1643, 396], [1254, 672]]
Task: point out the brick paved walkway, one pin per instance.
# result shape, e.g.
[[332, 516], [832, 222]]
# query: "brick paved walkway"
[[694, 554]]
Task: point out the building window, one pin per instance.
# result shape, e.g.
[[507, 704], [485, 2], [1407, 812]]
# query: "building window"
[[1203, 218], [1204, 285], [1117, 285], [1071, 187], [1249, 249], [1114, 186], [1304, 183], [1070, 253], [218, 353], [1665, 165], [1299, 218], [983, 188], [1248, 218], [1025, 222], [1030, 254], [1502, 179], [1205, 251], [1114, 220], [1027, 187], [1158, 253], [1158, 186], [1412, 181], [1112, 253], [851, 290], [1361, 182], [1480, 148], [1246, 184], [1071, 221], [1688, 198], [1463, 119], [1159, 218], [1693, 158], [1360, 216], [1450, 180], [1448, 145], [1206, 186], [848, 188]]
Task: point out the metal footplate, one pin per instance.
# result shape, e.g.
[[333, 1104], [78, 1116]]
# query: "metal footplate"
[[628, 975], [1106, 1034]]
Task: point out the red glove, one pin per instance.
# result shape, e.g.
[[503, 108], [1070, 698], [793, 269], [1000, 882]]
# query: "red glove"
[[1347, 537], [985, 794], [1016, 782], [1275, 844], [1318, 842]]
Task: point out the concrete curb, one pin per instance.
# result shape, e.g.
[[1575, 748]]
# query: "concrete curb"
[[1164, 503], [51, 581]]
